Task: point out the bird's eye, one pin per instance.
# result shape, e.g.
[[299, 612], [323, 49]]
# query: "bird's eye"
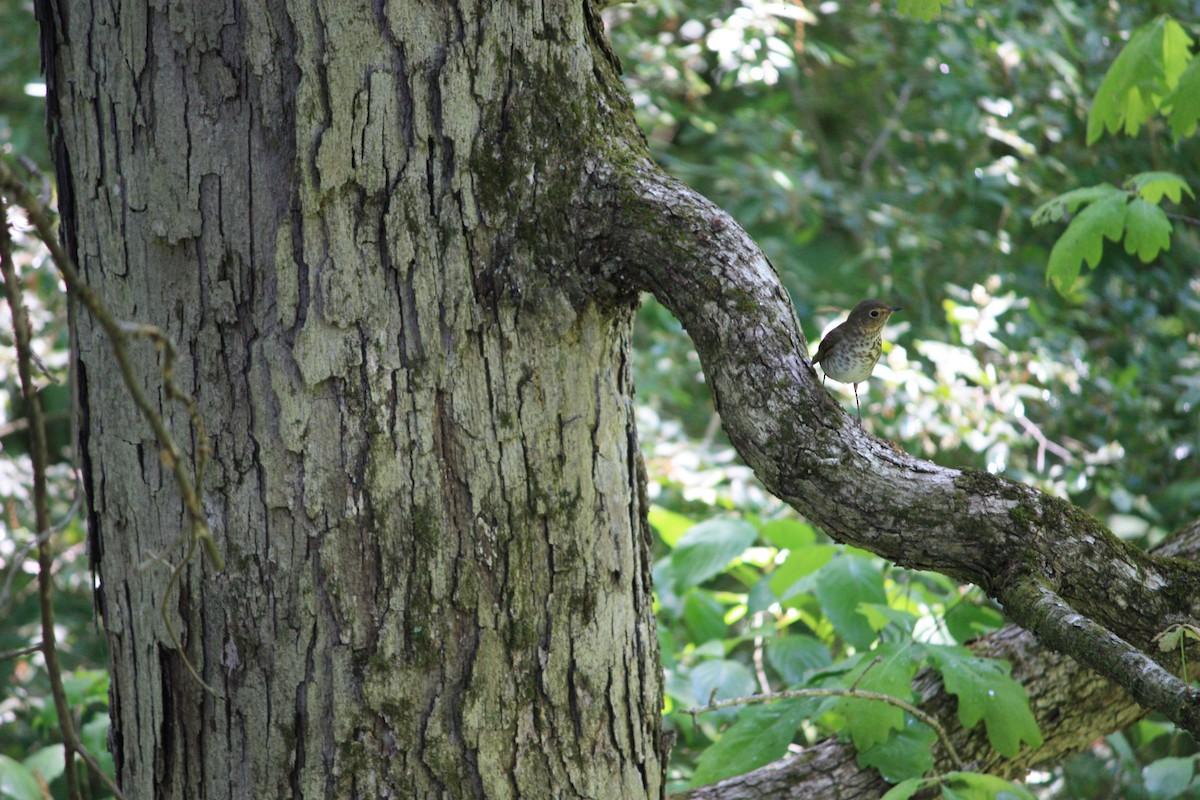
[[874, 313]]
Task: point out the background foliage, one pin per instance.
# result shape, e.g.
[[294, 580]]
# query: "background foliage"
[[870, 154]]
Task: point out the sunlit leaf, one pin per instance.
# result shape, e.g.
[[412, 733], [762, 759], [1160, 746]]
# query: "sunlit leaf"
[[1152, 186], [1056, 208], [17, 782], [986, 692], [1084, 239], [1145, 71], [842, 584], [981, 786], [870, 722], [905, 789], [707, 548], [924, 10], [1147, 230], [1182, 105]]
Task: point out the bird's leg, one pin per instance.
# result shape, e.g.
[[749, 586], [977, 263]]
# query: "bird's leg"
[[857, 405]]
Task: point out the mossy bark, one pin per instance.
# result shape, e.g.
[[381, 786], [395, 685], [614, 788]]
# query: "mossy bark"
[[425, 470]]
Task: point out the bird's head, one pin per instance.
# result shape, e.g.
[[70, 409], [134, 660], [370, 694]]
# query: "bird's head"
[[871, 314]]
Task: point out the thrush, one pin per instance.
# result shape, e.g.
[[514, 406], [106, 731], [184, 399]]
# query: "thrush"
[[848, 353]]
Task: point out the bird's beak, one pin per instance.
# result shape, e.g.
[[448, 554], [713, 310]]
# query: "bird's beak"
[[896, 308]]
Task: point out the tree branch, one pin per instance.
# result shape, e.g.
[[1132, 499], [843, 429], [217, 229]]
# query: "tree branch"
[[647, 231]]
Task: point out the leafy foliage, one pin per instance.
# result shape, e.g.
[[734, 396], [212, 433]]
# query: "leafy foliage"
[[1147, 71], [874, 155]]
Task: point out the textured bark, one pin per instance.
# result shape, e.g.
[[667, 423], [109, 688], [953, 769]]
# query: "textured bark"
[[398, 246], [425, 463]]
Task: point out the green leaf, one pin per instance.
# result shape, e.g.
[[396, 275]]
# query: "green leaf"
[[966, 620], [905, 755], [790, 534], [981, 786], [985, 691], [905, 789], [881, 615], [924, 10], [761, 735], [85, 686], [704, 616], [1168, 778], [842, 584], [94, 735], [47, 762], [707, 548], [729, 678], [1056, 208], [799, 564], [1145, 72], [1147, 230], [1183, 104], [794, 657], [17, 782], [1152, 186], [1084, 239], [870, 722], [670, 525]]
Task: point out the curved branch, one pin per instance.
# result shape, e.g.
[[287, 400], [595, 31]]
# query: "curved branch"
[[646, 231]]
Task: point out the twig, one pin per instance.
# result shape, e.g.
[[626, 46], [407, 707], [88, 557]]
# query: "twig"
[[23, 651], [22, 333], [857, 694], [889, 127], [119, 333], [1183, 218]]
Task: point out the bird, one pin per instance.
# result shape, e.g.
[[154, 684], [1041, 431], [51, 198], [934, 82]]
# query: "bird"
[[849, 352]]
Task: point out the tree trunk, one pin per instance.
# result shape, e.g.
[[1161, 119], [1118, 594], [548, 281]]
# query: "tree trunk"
[[398, 246], [424, 474]]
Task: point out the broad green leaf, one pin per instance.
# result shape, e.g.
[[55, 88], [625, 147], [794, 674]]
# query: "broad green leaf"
[[1145, 71], [84, 686], [924, 10], [981, 786], [670, 525], [707, 548], [799, 564], [1083, 239], [1177, 52], [761, 735], [47, 762], [791, 534], [966, 620], [1147, 230], [1152, 186], [17, 782], [905, 755], [905, 789], [1182, 105], [842, 584], [870, 722], [1056, 208], [1168, 778], [794, 657], [94, 735], [729, 678], [704, 616], [986, 692], [881, 615]]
